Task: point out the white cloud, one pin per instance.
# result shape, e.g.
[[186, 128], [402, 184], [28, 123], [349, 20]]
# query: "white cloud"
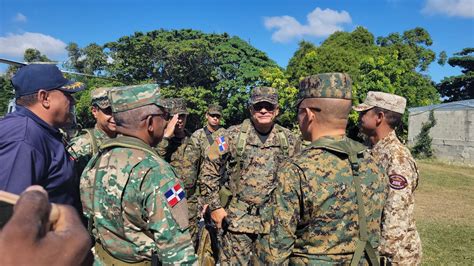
[[20, 18], [452, 8], [15, 44], [320, 23]]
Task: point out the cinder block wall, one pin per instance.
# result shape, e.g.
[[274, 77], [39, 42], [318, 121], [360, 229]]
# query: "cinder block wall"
[[453, 134]]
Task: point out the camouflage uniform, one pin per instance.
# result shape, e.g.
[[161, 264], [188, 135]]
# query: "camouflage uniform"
[[315, 211], [400, 240], [251, 185], [84, 146], [133, 198], [189, 169]]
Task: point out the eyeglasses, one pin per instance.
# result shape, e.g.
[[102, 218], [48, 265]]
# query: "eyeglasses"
[[165, 116], [259, 106]]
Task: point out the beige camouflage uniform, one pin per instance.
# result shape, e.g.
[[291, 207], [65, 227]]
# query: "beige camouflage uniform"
[[133, 199], [255, 181], [400, 239]]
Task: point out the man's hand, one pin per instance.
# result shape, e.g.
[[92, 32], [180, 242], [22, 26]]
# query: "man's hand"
[[218, 215], [169, 130], [29, 238]]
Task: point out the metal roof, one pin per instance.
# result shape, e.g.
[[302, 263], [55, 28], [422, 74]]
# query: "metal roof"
[[452, 106]]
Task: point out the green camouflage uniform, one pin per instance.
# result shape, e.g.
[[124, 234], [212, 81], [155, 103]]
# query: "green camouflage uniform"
[[133, 198], [84, 146], [253, 182], [400, 241], [315, 211]]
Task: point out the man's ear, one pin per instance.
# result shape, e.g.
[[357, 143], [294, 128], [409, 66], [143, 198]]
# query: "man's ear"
[[380, 118], [149, 123], [277, 111], [43, 98], [94, 111]]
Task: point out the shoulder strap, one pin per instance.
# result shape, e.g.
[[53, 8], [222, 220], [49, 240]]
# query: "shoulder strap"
[[94, 145], [208, 136], [352, 149], [283, 140], [241, 142]]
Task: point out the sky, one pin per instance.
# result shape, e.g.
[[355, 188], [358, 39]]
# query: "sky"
[[274, 27]]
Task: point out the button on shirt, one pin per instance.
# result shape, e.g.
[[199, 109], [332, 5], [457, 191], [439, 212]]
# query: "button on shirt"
[[32, 153]]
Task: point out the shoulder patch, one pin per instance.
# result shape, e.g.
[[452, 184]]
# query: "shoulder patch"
[[218, 148], [398, 182], [174, 195]]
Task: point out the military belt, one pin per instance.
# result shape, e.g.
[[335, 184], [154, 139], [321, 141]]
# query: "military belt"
[[110, 260]]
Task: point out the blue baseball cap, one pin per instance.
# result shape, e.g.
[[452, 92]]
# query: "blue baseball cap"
[[32, 78]]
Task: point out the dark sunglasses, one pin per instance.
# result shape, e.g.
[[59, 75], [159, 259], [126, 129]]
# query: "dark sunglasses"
[[259, 106], [215, 116]]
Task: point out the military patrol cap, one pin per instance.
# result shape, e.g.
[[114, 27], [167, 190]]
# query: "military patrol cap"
[[214, 109], [32, 78], [264, 94], [178, 106], [99, 98], [131, 97], [326, 85], [383, 100]]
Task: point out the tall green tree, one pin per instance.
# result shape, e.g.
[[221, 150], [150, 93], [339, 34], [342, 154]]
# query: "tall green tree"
[[395, 64], [461, 87], [185, 63]]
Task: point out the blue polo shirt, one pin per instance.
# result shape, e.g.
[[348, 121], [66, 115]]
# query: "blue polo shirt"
[[32, 153]]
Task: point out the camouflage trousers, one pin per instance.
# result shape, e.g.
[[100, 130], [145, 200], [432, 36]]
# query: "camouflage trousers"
[[237, 248]]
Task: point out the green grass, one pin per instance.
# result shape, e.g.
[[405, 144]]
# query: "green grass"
[[445, 213]]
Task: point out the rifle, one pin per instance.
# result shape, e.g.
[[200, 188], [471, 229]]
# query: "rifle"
[[207, 245]]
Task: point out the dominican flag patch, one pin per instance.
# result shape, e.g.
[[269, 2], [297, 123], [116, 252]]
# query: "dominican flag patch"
[[222, 144], [175, 195]]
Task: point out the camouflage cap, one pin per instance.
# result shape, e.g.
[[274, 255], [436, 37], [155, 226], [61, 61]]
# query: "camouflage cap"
[[264, 94], [131, 97], [99, 98], [214, 109], [326, 85], [383, 100], [178, 106]]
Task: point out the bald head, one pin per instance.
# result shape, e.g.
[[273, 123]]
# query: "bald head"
[[330, 111]]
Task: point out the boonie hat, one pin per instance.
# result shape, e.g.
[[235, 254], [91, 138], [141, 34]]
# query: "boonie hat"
[[32, 78]]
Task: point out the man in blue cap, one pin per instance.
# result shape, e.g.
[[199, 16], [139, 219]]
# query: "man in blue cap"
[[31, 147]]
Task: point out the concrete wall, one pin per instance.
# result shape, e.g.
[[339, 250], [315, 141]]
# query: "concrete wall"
[[453, 134]]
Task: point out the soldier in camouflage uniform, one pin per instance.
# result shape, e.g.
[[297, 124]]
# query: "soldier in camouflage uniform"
[[380, 114], [176, 136], [237, 176], [327, 206], [194, 154], [133, 199], [84, 146]]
